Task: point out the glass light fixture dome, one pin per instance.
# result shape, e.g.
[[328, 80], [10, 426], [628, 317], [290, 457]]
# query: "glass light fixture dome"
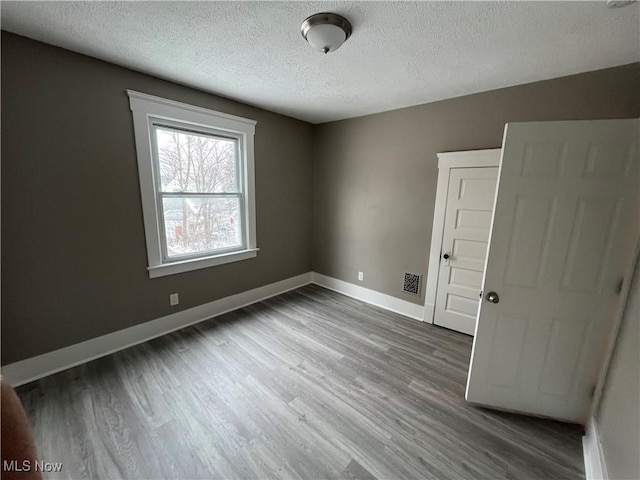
[[326, 32]]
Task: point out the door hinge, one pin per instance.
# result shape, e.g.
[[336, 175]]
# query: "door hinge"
[[592, 391], [620, 284]]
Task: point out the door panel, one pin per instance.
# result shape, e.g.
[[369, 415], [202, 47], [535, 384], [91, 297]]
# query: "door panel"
[[595, 224], [564, 349], [466, 233], [563, 233], [512, 333], [530, 240], [474, 219], [465, 278]]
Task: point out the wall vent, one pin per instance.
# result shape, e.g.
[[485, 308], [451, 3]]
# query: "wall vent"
[[411, 283]]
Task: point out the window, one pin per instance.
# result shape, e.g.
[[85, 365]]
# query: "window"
[[196, 182]]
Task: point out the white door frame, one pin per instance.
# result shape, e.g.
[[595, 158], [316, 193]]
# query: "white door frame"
[[447, 161]]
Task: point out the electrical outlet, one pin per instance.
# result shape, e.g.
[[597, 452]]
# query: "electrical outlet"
[[361, 276], [174, 299]]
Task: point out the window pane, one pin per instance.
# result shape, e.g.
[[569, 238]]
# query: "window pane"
[[196, 162], [194, 225]]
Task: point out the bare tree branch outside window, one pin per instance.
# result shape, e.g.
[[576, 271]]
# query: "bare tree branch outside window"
[[205, 165]]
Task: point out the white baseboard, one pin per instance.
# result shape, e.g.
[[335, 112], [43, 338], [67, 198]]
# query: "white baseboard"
[[25, 371], [378, 299], [595, 467], [30, 369]]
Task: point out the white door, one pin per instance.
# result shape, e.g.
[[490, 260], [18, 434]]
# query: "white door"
[[467, 221], [563, 234]]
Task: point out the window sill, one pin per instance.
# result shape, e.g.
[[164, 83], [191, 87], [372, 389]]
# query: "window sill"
[[198, 263]]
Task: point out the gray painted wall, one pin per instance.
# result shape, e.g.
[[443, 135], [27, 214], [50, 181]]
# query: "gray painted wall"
[[618, 416], [73, 249], [375, 176], [73, 246]]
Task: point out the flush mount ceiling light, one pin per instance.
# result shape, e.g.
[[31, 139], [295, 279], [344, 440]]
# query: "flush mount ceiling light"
[[326, 32]]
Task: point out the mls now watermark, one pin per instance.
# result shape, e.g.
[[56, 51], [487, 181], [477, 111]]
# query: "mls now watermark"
[[28, 466]]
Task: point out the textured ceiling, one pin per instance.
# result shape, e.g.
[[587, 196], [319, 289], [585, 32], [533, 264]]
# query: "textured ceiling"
[[400, 53]]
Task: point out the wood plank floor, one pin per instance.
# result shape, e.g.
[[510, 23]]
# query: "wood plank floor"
[[309, 384]]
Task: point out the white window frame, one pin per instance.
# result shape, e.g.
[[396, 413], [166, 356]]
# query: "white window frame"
[[147, 109]]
